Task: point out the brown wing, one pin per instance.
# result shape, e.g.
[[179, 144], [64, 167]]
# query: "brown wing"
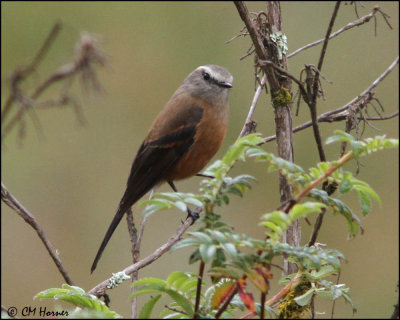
[[153, 161]]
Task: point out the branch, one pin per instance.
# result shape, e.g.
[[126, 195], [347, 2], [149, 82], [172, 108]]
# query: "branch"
[[133, 236], [249, 125], [258, 44], [334, 115], [14, 204], [101, 288], [87, 55], [349, 26], [21, 74], [313, 104]]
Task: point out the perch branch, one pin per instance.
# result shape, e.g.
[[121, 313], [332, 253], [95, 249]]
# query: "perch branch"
[[14, 204], [101, 288], [349, 26]]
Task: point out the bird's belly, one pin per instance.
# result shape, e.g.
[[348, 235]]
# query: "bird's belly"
[[205, 147]]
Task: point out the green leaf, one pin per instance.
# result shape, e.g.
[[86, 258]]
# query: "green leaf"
[[181, 300], [147, 308], [180, 205], [222, 271], [207, 252], [187, 242], [150, 281], [205, 238], [368, 190], [340, 136], [305, 299], [357, 147], [345, 186], [365, 202], [175, 276], [230, 249], [304, 209], [78, 297]]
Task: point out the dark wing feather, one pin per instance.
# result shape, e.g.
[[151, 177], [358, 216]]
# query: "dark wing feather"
[[151, 163]]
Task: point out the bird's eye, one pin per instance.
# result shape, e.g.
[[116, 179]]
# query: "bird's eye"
[[206, 76]]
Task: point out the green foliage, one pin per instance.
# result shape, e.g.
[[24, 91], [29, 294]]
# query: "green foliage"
[[278, 221], [235, 258], [91, 305], [179, 286]]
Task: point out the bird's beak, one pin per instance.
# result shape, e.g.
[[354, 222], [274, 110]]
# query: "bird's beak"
[[225, 84]]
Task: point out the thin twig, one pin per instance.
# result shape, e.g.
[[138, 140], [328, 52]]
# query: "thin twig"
[[87, 54], [329, 116], [14, 204], [198, 289], [313, 103], [21, 74], [249, 121], [334, 301], [101, 288], [133, 236], [349, 26]]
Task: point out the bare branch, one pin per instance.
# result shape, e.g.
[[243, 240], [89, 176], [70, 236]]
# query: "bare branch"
[[101, 288], [248, 125], [21, 74], [87, 55], [330, 116], [14, 204], [349, 26]]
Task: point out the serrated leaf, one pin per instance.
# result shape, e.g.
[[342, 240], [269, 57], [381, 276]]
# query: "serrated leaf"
[[147, 308], [189, 284], [150, 281], [340, 136], [205, 238], [324, 294], [207, 251], [78, 297], [174, 276], [357, 147], [305, 299], [186, 243], [302, 210], [368, 190], [180, 205], [181, 300], [345, 186], [222, 291], [230, 249], [221, 271], [365, 203]]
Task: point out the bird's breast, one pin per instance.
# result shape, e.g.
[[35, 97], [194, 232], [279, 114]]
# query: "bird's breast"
[[208, 139]]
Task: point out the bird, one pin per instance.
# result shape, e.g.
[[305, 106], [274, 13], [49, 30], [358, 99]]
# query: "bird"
[[182, 139]]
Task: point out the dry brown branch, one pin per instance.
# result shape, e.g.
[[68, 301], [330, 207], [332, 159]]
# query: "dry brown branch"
[[14, 204], [133, 236], [260, 31], [101, 288], [87, 55], [349, 26], [341, 113]]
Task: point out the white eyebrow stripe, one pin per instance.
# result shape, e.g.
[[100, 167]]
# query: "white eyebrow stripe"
[[215, 75]]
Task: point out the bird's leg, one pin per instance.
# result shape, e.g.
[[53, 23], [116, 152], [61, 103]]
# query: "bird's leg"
[[195, 215], [204, 175]]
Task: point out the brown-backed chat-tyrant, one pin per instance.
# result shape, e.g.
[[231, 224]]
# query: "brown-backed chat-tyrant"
[[185, 135]]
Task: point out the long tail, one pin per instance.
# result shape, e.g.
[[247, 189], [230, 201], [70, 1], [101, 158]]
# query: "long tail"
[[114, 223]]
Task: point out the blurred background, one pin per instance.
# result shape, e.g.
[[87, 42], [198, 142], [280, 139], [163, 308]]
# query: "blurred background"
[[73, 178]]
